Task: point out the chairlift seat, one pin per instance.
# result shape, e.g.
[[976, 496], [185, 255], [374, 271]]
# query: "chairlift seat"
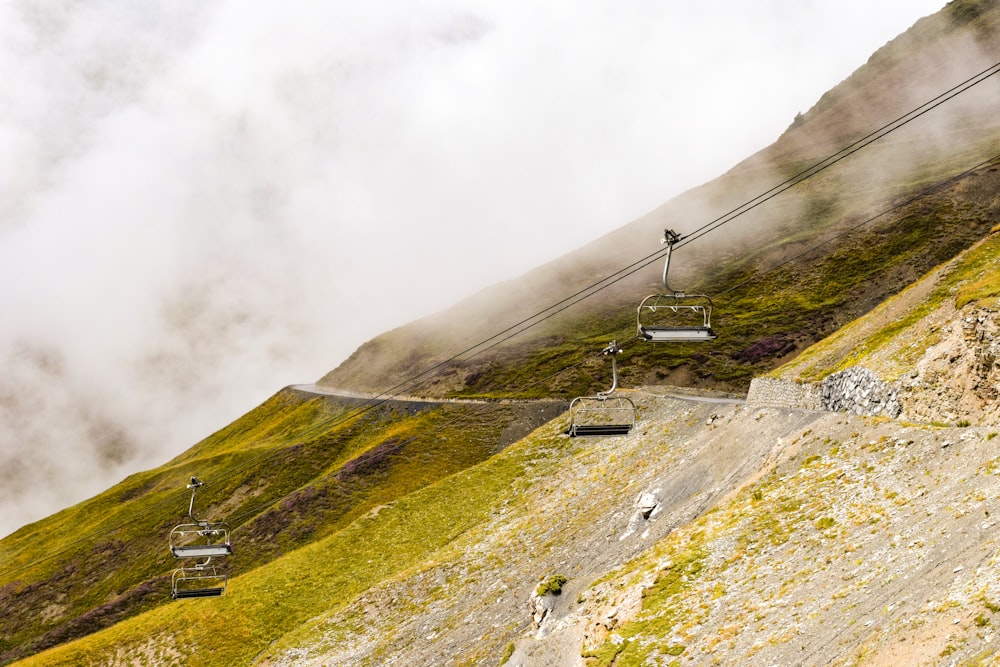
[[202, 550], [579, 430], [676, 334], [198, 593], [200, 581], [601, 415], [200, 540]]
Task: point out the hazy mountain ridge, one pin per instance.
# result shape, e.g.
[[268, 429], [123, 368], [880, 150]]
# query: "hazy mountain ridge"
[[411, 534], [935, 55]]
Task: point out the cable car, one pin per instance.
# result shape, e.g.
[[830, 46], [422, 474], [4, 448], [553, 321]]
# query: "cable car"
[[605, 413], [199, 539], [674, 317], [198, 581]]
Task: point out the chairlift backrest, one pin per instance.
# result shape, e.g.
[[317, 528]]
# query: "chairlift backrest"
[[200, 540], [675, 318]]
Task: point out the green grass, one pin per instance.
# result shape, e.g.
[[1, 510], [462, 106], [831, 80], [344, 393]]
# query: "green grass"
[[552, 584], [323, 576], [974, 279], [663, 609], [302, 472]]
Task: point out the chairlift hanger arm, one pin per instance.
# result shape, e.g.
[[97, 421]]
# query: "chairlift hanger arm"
[[611, 350], [670, 237], [194, 485]]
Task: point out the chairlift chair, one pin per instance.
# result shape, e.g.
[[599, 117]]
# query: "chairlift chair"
[[200, 538], [605, 413], [674, 317], [198, 581]]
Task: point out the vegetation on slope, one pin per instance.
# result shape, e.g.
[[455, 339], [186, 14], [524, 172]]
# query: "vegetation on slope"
[[766, 310], [972, 279], [323, 576], [294, 470], [300, 472]]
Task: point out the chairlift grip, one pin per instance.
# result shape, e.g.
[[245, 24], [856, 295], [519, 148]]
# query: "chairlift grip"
[[194, 485], [670, 237], [611, 350]]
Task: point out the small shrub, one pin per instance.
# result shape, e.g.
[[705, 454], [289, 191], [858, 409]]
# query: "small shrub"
[[553, 585], [824, 523]]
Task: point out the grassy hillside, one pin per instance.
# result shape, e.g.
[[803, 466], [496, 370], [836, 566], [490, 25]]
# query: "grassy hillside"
[[325, 575], [431, 548], [780, 537], [411, 531], [895, 335], [292, 471]]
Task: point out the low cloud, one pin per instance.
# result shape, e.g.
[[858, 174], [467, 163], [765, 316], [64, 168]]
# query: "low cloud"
[[203, 202]]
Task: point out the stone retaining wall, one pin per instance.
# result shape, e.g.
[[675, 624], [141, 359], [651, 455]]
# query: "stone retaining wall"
[[856, 390], [776, 393]]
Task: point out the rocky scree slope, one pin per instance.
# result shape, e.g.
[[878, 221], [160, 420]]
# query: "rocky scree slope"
[[776, 537]]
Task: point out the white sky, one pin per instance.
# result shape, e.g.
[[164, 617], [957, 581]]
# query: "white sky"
[[203, 202]]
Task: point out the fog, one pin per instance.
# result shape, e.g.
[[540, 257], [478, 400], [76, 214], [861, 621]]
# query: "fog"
[[203, 202]]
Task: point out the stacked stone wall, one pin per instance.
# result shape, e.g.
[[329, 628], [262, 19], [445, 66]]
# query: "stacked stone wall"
[[860, 391], [856, 390]]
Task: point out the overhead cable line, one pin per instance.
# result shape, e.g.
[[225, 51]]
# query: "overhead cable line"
[[842, 154]]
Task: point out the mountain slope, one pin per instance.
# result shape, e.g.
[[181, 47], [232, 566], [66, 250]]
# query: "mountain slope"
[[409, 531], [778, 536], [296, 469], [781, 310], [935, 343]]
